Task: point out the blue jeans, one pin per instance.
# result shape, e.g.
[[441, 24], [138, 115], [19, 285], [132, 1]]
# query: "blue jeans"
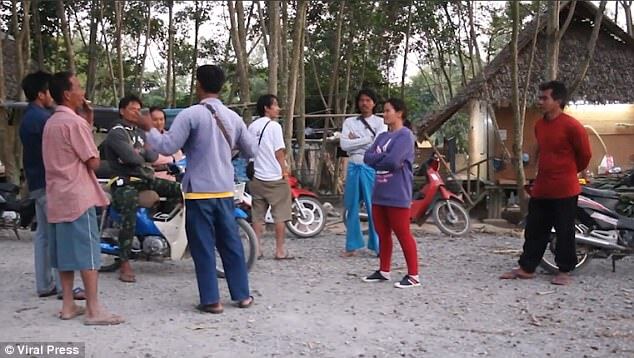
[[211, 225], [359, 186], [46, 277]]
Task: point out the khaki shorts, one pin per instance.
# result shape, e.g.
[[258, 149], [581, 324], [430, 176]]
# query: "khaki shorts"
[[277, 194]]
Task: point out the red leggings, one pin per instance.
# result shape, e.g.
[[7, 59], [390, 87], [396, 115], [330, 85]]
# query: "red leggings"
[[389, 219]]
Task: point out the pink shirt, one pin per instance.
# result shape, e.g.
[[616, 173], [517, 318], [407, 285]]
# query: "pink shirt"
[[71, 187]]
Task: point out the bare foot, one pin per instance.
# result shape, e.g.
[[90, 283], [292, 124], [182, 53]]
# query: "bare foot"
[[103, 318], [517, 273], [561, 279], [72, 313], [349, 253]]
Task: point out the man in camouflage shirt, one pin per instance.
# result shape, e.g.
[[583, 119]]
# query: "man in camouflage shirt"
[[129, 159]]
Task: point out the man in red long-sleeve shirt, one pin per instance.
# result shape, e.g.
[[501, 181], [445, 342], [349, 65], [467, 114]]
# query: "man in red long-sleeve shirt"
[[563, 151]]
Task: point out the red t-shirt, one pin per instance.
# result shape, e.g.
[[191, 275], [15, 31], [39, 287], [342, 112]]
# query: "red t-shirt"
[[564, 151]]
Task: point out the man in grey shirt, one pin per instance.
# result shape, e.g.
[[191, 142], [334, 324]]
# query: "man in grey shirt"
[[207, 132]]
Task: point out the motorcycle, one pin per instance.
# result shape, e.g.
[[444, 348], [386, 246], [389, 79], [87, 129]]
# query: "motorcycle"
[[15, 213], [308, 214], [600, 232], [160, 233], [433, 199]]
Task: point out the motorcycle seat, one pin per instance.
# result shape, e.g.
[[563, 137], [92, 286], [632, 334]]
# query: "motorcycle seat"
[[599, 193], [625, 223]]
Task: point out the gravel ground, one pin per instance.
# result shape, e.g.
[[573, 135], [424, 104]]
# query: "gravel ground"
[[317, 306]]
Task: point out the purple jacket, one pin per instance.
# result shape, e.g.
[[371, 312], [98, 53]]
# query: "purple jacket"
[[391, 155]]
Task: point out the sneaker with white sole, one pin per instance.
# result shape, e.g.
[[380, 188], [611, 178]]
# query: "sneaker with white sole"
[[407, 282], [376, 276]]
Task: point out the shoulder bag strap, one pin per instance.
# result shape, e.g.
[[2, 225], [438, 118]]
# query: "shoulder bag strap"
[[218, 123], [367, 125], [262, 133]]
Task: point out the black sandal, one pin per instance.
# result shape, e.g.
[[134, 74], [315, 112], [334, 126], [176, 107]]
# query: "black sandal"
[[242, 304]]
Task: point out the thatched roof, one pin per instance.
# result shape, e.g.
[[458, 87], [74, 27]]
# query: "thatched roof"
[[12, 84], [610, 77]]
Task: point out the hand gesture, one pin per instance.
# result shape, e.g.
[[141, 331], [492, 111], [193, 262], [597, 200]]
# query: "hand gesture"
[[87, 112]]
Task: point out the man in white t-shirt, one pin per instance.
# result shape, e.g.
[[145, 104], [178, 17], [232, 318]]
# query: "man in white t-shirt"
[[269, 186]]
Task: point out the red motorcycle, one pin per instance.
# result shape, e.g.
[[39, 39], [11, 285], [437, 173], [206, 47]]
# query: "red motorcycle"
[[309, 216], [446, 207]]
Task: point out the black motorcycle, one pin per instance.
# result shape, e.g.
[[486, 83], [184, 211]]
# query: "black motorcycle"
[[15, 213], [600, 231]]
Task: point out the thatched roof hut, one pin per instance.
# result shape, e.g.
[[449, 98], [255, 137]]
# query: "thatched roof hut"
[[610, 77]]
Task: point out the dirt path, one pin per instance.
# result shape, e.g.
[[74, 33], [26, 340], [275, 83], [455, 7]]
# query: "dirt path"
[[317, 306]]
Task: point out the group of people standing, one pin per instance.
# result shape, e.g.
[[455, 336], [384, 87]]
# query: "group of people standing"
[[61, 159]]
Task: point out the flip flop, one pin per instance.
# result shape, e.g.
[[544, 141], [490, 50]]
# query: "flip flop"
[[561, 280], [78, 312], [515, 274], [78, 294], [242, 304], [110, 320], [287, 257], [127, 277]]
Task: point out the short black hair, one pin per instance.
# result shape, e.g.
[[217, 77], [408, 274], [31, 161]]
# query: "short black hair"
[[558, 92], [59, 83], [34, 83], [125, 101], [211, 78], [263, 102], [366, 92], [399, 106], [157, 108]]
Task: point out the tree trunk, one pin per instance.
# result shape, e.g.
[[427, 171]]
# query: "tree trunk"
[[627, 8], [92, 49], [38, 34], [518, 121], [552, 41], [274, 41], [192, 89], [334, 77], [148, 35], [118, 13], [238, 40], [70, 52], [113, 80], [282, 46], [298, 33], [25, 37], [170, 54], [19, 54], [589, 55], [301, 109], [407, 35]]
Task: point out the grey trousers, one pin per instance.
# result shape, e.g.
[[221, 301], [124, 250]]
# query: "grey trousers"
[[46, 277]]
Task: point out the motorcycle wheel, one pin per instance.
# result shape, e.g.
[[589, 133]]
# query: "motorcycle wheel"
[[249, 245], [363, 219], [451, 217], [311, 222], [548, 260]]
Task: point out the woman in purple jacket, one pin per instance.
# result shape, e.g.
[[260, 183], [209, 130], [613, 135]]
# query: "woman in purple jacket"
[[391, 156]]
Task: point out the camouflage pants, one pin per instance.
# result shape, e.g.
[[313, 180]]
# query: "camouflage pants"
[[125, 200]]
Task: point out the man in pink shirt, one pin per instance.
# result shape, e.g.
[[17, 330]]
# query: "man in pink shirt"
[[70, 158]]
